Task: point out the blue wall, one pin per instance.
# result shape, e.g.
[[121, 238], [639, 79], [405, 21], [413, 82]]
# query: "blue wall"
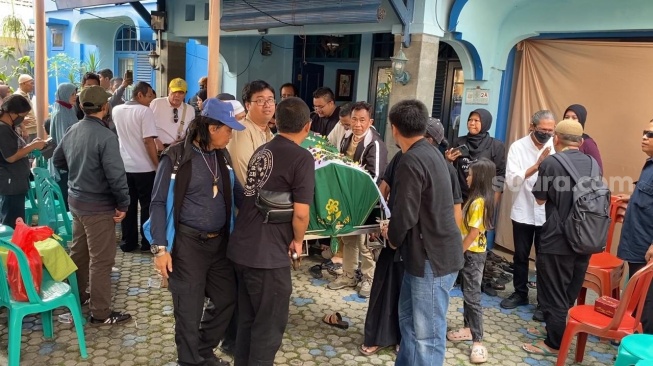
[[196, 65]]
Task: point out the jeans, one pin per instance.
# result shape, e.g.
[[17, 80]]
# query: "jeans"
[[472, 276], [423, 304]]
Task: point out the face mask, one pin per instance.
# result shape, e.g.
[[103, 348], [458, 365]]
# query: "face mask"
[[541, 137], [17, 121]]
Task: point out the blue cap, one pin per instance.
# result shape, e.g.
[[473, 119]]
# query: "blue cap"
[[221, 111]]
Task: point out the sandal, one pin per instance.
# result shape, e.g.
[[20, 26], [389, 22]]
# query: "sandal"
[[369, 351], [538, 349], [478, 354], [335, 319], [537, 332], [459, 335]]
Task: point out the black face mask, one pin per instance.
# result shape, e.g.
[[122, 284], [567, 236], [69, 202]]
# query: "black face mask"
[[18, 120], [541, 137]]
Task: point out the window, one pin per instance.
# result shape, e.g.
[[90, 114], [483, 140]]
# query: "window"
[[57, 39], [206, 11], [190, 13], [127, 41]]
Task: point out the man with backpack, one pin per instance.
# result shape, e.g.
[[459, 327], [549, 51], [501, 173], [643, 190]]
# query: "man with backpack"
[[577, 219]]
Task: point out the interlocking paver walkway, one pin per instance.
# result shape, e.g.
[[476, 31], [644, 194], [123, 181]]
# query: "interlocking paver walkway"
[[149, 338]]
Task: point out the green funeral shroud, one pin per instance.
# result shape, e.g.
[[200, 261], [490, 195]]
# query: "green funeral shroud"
[[345, 194]]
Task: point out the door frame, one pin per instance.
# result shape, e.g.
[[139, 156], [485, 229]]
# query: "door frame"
[[371, 94]]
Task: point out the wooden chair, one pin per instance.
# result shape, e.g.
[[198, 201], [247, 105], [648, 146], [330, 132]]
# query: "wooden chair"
[[605, 271], [584, 320]]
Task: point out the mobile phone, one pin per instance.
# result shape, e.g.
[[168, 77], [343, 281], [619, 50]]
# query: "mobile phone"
[[129, 74], [464, 150], [48, 141]]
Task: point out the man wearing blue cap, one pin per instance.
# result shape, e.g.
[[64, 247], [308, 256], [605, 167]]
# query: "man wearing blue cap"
[[196, 262]]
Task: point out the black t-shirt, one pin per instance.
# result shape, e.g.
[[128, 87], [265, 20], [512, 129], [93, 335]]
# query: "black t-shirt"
[[324, 125], [278, 166], [555, 186], [14, 177], [389, 177]]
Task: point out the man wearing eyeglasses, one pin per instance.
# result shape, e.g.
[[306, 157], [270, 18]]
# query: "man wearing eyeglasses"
[[258, 97], [524, 159], [326, 114], [171, 114], [636, 243]]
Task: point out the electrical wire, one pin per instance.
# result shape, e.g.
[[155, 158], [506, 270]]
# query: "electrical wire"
[[269, 15], [251, 57]]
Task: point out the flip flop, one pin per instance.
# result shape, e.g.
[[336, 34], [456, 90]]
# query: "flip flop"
[[361, 349], [335, 319], [542, 351], [537, 332]]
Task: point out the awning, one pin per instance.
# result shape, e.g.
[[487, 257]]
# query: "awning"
[[263, 14], [71, 4]]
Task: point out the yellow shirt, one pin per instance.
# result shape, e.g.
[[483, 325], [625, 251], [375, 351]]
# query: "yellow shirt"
[[351, 149], [243, 144], [474, 219]]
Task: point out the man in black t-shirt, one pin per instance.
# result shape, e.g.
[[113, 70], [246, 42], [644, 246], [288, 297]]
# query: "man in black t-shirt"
[[561, 271], [260, 251], [327, 114]]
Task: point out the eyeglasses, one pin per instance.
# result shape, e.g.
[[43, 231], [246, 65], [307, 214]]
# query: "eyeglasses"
[[175, 115], [262, 102], [648, 134]]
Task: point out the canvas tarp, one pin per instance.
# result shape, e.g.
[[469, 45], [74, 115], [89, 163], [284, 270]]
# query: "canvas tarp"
[[611, 79]]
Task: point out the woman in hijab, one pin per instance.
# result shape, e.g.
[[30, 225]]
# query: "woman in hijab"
[[479, 145], [579, 113], [63, 116]]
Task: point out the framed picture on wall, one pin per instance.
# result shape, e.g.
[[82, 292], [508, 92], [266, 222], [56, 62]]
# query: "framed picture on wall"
[[344, 85]]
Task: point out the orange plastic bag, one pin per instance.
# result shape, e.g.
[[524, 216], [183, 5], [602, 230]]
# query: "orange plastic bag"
[[24, 237]]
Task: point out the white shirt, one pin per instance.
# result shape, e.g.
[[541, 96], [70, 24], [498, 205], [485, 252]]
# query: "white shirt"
[[337, 134], [134, 122], [165, 122], [522, 155]]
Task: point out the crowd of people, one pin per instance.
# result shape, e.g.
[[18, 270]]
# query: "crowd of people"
[[207, 177]]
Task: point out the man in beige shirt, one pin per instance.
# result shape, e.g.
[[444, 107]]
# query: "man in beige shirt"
[[25, 87], [258, 97]]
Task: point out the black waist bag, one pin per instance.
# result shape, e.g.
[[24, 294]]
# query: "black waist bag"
[[276, 207]]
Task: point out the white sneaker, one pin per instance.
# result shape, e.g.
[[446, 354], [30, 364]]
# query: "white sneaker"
[[366, 288]]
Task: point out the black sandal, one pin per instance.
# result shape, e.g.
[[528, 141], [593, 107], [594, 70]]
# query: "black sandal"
[[316, 271]]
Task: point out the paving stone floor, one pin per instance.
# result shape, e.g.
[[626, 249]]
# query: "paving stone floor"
[[149, 338]]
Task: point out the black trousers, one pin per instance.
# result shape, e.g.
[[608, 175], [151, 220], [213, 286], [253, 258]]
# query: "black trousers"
[[11, 208], [200, 269], [524, 236], [647, 313], [140, 191], [263, 304], [559, 280]]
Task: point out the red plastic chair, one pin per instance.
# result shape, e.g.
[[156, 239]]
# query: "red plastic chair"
[[583, 320], [605, 271]]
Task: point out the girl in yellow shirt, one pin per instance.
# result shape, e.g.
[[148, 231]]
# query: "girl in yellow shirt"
[[478, 215]]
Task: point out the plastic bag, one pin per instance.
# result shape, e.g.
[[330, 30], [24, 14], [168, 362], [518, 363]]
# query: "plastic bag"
[[24, 237]]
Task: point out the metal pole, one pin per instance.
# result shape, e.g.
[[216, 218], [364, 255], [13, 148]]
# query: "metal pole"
[[40, 68], [213, 85]]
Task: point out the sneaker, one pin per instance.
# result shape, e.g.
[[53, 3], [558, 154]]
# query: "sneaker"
[[342, 282], [538, 315], [366, 289], [513, 301], [128, 248], [114, 318]]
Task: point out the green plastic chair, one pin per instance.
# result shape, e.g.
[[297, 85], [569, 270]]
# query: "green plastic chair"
[[645, 363], [6, 232], [633, 349], [30, 204], [53, 295], [51, 210], [41, 162]]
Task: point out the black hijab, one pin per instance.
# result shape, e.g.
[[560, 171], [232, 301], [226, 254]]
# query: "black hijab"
[[482, 140], [581, 113]]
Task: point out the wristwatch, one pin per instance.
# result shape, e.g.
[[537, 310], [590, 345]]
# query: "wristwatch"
[[157, 250]]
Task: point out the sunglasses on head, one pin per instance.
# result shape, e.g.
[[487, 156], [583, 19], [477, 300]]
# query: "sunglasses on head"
[[648, 134], [175, 115]]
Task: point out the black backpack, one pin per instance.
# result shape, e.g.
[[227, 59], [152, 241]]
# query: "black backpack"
[[586, 227]]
